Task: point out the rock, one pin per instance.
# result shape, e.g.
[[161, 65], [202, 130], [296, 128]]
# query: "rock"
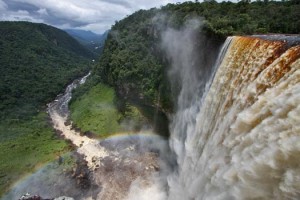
[[29, 197], [64, 198]]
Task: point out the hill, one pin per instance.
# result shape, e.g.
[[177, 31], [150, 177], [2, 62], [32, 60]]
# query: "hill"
[[94, 42], [36, 61], [135, 64], [133, 53]]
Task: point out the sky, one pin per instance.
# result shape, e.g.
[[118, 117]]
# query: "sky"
[[94, 15]]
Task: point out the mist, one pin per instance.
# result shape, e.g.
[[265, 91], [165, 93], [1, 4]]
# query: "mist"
[[58, 178], [191, 56], [142, 166]]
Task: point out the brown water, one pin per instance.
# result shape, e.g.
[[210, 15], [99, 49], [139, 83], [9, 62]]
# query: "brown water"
[[245, 143]]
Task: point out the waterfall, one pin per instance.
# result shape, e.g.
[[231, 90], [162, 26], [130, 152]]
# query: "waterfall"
[[240, 137], [235, 133]]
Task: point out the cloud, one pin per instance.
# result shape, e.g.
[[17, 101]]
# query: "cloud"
[[42, 11], [96, 15], [3, 6]]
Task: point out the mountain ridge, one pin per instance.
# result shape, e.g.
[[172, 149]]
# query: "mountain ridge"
[[92, 41], [29, 51]]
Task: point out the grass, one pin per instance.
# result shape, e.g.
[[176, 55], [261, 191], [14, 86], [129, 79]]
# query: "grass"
[[96, 111], [25, 145], [28, 144]]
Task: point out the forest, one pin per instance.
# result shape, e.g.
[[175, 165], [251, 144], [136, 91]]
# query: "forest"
[[37, 61], [132, 52]]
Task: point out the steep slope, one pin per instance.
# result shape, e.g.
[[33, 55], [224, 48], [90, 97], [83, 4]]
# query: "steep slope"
[[134, 63], [133, 52], [94, 42], [36, 62]]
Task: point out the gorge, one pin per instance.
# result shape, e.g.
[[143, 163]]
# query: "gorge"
[[237, 139], [191, 101]]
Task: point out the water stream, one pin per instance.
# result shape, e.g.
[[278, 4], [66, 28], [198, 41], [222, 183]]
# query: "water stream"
[[114, 164], [235, 133]]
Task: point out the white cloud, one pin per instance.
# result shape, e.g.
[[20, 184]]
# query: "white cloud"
[[20, 15], [42, 11], [96, 15], [3, 5], [23, 12]]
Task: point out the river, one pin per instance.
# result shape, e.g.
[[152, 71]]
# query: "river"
[[115, 166]]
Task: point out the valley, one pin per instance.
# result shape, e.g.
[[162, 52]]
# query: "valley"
[[193, 100]]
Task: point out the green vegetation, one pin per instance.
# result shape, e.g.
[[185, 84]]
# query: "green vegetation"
[[131, 62], [37, 61], [97, 111], [242, 18], [134, 64], [92, 41], [25, 145]]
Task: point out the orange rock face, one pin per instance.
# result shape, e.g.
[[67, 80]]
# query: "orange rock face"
[[247, 137]]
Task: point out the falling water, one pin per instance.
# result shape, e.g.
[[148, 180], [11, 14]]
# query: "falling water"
[[242, 139], [236, 132]]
